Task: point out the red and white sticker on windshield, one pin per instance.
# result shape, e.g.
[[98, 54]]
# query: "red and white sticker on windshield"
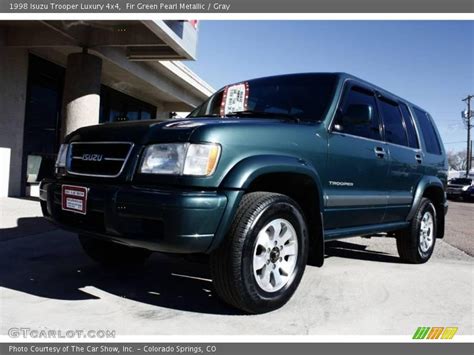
[[235, 98]]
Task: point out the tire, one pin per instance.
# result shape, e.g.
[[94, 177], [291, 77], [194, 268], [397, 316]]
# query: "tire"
[[416, 243], [236, 264], [113, 255]]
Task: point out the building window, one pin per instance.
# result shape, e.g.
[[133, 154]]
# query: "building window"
[[42, 119], [116, 106]]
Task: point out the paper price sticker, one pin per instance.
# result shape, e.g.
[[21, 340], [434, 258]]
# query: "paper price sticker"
[[235, 98]]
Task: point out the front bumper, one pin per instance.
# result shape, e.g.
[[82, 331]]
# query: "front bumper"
[[458, 193], [452, 192], [174, 221]]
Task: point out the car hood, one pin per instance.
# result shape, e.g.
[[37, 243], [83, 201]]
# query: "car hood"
[[156, 131]]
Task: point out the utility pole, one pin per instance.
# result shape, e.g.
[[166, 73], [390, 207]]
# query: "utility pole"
[[468, 126]]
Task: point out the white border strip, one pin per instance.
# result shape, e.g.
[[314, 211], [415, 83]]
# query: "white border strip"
[[242, 16], [237, 16]]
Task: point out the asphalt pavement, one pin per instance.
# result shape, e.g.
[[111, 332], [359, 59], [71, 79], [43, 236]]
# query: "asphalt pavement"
[[46, 281], [460, 226]]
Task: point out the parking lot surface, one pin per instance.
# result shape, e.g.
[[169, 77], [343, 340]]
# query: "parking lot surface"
[[460, 226], [46, 281]]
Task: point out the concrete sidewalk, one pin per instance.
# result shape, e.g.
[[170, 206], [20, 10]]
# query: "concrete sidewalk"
[[20, 217], [47, 281]]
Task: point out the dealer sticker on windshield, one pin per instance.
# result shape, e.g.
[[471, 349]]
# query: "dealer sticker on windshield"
[[74, 199], [235, 98]]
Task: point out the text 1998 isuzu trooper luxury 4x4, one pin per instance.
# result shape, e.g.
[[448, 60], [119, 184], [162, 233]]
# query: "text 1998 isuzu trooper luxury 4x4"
[[259, 177]]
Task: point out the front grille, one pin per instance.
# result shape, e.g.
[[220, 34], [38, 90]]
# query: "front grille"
[[104, 159]]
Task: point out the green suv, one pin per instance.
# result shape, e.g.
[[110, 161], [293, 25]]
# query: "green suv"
[[258, 177]]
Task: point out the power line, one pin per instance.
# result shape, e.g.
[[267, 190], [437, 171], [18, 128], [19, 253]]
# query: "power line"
[[468, 126]]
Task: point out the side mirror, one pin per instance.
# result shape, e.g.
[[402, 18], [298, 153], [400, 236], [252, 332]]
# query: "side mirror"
[[357, 114]]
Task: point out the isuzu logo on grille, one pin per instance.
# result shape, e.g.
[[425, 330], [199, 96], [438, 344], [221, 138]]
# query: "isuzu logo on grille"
[[92, 157]]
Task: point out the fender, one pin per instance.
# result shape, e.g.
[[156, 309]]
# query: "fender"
[[247, 170], [425, 183], [242, 174]]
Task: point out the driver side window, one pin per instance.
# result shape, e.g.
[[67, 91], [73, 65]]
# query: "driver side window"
[[359, 116]]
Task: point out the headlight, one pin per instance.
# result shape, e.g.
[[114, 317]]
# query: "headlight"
[[201, 159], [465, 188], [62, 156], [164, 159], [180, 159]]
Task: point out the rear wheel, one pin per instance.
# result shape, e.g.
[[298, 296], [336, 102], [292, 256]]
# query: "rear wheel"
[[260, 263], [111, 254], [416, 243]]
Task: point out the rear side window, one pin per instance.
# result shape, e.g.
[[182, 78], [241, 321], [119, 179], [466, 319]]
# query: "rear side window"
[[410, 126], [429, 134], [363, 101], [393, 122]]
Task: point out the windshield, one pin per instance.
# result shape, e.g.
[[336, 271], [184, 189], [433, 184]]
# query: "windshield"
[[303, 96], [461, 181]]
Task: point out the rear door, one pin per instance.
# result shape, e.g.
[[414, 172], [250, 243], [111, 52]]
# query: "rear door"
[[358, 164], [406, 158]]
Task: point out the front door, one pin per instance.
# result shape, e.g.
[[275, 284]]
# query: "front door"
[[358, 163]]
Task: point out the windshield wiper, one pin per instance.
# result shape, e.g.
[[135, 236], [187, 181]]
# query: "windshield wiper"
[[263, 114]]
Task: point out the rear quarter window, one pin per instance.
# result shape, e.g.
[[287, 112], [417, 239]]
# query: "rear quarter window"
[[428, 132]]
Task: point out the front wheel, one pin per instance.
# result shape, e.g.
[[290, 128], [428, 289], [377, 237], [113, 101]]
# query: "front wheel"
[[416, 244], [260, 263]]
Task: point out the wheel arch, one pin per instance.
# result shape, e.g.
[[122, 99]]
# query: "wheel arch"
[[432, 188], [289, 176]]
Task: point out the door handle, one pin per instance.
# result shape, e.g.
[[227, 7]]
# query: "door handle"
[[379, 152], [418, 158]]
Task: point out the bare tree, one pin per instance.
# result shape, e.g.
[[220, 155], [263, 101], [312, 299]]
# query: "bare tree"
[[457, 160]]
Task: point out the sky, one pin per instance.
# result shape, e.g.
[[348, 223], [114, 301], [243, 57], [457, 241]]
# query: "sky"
[[430, 63]]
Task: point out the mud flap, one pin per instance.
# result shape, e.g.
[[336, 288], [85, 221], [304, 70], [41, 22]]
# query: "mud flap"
[[316, 250]]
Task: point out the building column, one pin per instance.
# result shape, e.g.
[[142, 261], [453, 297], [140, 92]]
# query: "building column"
[[13, 77], [81, 92]]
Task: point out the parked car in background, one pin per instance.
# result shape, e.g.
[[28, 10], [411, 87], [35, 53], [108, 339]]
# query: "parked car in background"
[[461, 188]]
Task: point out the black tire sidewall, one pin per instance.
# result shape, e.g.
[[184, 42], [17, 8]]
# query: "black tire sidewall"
[[283, 208]]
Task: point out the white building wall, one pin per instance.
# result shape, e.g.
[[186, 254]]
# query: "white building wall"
[[13, 79], [4, 167]]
